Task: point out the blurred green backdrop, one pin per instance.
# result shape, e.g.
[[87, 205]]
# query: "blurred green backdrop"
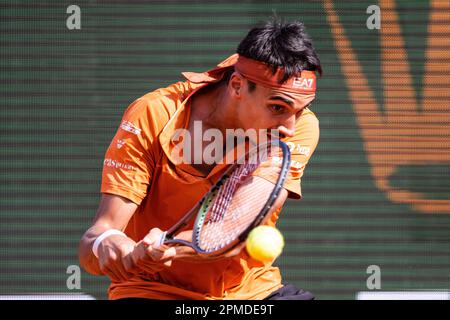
[[63, 93]]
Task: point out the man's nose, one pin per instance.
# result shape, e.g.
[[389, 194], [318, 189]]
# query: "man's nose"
[[287, 128]]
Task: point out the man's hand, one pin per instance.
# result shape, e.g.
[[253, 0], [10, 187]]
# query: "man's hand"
[[114, 257], [120, 257], [148, 256]]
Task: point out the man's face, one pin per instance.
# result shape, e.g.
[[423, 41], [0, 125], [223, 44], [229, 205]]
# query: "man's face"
[[266, 108]]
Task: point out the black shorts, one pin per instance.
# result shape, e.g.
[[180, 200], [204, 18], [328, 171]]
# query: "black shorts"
[[290, 292]]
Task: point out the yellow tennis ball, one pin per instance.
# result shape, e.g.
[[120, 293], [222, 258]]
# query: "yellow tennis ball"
[[265, 243]]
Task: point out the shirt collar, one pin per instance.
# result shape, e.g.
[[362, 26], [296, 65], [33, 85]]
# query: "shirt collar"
[[180, 119]]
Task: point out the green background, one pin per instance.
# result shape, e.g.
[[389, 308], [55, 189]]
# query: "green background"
[[63, 93]]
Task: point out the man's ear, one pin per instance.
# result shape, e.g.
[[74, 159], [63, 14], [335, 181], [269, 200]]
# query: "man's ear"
[[235, 85]]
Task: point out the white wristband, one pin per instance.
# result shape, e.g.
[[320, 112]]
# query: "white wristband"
[[102, 237]]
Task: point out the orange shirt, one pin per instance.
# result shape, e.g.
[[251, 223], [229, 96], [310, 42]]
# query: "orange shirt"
[[138, 166]]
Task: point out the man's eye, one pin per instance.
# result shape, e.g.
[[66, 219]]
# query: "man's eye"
[[277, 108]]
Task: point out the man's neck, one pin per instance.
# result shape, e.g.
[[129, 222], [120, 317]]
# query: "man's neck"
[[211, 108]]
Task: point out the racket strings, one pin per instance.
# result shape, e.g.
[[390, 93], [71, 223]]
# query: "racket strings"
[[239, 215], [237, 204], [227, 190]]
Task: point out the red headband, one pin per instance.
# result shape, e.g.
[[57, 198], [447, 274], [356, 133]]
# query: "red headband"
[[301, 87], [261, 73]]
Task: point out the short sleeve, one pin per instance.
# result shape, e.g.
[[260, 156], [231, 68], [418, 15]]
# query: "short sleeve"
[[302, 146], [128, 162]]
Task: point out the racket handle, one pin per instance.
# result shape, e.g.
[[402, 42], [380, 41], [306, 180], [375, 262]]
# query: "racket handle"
[[161, 240]]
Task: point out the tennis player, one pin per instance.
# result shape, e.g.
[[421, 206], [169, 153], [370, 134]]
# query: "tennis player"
[[268, 84]]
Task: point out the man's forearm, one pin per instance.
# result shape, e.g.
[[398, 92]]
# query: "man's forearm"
[[87, 258]]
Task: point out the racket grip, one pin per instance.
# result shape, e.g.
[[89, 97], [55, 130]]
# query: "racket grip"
[[161, 240]]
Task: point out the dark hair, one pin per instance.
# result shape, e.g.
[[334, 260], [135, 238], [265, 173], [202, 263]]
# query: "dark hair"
[[281, 44]]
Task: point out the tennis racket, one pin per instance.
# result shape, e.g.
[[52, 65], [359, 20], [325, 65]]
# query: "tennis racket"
[[237, 203]]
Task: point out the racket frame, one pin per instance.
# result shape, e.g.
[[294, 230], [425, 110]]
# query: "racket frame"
[[167, 237]]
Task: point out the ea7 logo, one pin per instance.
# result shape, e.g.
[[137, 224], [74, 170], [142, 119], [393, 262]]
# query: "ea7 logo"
[[303, 83]]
